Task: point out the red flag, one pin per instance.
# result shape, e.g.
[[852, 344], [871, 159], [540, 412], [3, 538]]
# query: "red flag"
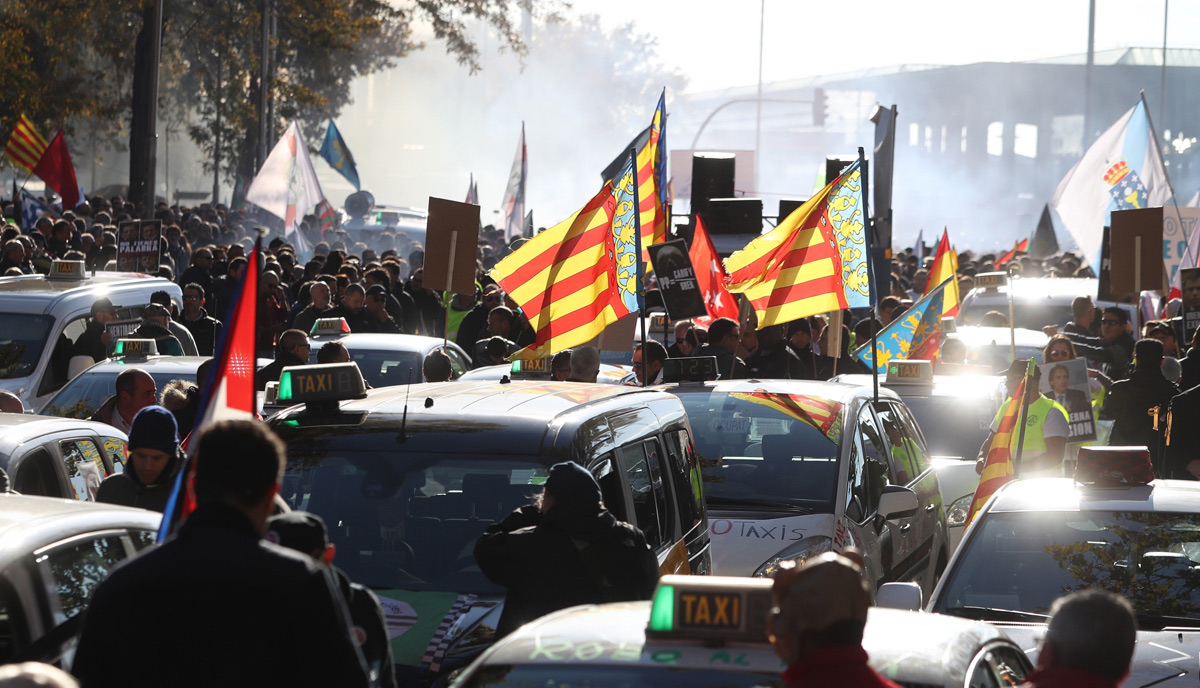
[[56, 170], [1022, 245], [710, 275], [230, 393]]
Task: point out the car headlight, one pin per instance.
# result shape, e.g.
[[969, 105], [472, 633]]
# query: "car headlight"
[[798, 552], [956, 515]]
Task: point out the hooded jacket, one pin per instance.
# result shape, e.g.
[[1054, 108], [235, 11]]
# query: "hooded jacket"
[[125, 489]]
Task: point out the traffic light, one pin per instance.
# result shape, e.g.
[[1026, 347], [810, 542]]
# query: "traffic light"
[[819, 105]]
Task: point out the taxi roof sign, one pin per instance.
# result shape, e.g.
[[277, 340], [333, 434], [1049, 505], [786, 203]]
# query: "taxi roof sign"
[[538, 366], [1114, 466], [136, 347], [67, 270], [711, 609], [323, 382], [914, 372], [991, 280], [328, 326]]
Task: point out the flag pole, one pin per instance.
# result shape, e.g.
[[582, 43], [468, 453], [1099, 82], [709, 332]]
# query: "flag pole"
[[1166, 175], [1021, 413], [641, 268], [872, 281]]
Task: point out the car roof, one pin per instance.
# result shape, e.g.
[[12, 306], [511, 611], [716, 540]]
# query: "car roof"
[[832, 391], [17, 428], [384, 342], [1048, 287], [958, 386], [1064, 494], [947, 643], [153, 364], [976, 335], [22, 293], [30, 522]]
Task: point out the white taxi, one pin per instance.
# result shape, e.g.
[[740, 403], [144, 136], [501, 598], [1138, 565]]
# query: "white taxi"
[[795, 468], [712, 632], [1112, 527]]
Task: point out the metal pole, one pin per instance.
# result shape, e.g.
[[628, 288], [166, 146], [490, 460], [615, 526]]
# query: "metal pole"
[[637, 233], [1087, 84], [762, 13], [217, 137], [1162, 99], [1021, 412], [871, 280], [262, 85]]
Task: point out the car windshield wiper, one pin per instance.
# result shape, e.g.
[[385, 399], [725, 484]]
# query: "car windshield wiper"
[[1156, 622], [757, 504], [993, 614]]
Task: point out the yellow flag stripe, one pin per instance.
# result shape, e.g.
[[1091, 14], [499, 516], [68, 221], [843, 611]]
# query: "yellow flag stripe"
[[564, 305], [583, 333], [585, 259], [775, 315]]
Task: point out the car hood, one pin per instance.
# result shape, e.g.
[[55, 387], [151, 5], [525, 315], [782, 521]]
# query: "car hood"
[[743, 541], [1161, 658], [452, 628]]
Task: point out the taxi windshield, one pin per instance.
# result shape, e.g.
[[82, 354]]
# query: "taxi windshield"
[[953, 426], [409, 520], [765, 448], [1029, 314], [22, 342], [1023, 561], [384, 368], [581, 675], [84, 395]]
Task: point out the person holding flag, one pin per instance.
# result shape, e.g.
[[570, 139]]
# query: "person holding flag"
[[1039, 446]]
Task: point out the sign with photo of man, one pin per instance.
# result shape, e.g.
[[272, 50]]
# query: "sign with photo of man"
[[1067, 383], [1189, 283], [138, 246]]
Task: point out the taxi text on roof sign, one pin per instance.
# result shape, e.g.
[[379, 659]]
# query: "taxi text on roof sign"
[[533, 365], [67, 270], [327, 326], [991, 280], [711, 608], [915, 371], [136, 347], [321, 382]]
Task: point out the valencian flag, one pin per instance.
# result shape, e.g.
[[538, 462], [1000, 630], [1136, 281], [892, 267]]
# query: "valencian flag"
[[998, 469], [335, 152], [652, 180], [579, 276], [822, 414], [814, 261], [945, 267], [916, 334], [230, 392], [1019, 246], [25, 145], [710, 275], [56, 170]]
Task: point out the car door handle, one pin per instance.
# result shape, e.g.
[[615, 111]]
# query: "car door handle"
[[906, 527], [930, 507]]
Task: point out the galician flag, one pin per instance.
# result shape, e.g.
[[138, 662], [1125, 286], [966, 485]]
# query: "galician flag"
[[1123, 170], [287, 186]]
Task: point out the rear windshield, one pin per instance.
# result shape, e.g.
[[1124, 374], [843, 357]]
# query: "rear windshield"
[[84, 395], [1029, 315], [386, 368], [408, 520], [766, 448], [578, 675], [22, 340]]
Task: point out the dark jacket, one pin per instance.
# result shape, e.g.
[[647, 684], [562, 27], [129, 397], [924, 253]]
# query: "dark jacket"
[[271, 371], [359, 322], [308, 316], [89, 344], [205, 330], [808, 362], [104, 414], [166, 342], [775, 362], [552, 562], [472, 327], [1191, 369], [726, 361], [200, 276], [1184, 436], [218, 606], [1128, 404], [126, 490], [1115, 355]]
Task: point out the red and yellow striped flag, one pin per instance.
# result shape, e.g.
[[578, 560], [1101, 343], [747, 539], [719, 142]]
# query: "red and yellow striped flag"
[[1022, 245], [945, 267], [25, 146], [822, 414], [652, 181], [814, 261], [998, 469]]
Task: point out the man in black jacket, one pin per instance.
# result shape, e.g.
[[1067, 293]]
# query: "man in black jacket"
[[1114, 348], [153, 462], [292, 350], [94, 341], [205, 329], [774, 360], [1181, 439], [563, 550], [1137, 406], [216, 605], [722, 343]]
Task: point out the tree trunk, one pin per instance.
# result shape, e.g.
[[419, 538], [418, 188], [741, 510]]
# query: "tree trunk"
[[141, 116]]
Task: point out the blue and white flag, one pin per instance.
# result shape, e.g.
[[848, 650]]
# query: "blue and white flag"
[[32, 208], [916, 334], [1123, 170], [335, 152]]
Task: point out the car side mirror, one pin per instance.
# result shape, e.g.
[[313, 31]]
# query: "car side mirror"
[[899, 596], [897, 501]]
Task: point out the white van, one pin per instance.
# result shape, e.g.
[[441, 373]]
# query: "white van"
[[41, 316]]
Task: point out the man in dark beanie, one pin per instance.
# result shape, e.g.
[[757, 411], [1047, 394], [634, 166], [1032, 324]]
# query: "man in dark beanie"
[[306, 533], [152, 465], [1138, 405], [563, 550]]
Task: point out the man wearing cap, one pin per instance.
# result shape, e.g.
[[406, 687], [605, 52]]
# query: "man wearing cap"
[[817, 624], [1137, 406], [216, 605], [1089, 642], [154, 326], [306, 533], [95, 341], [153, 462], [376, 313], [563, 550], [1045, 438]]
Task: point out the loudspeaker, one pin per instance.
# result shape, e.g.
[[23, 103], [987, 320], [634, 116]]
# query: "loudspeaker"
[[359, 203], [734, 216], [789, 205], [834, 164], [712, 177]]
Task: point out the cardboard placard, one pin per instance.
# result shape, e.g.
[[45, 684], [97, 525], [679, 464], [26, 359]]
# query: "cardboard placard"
[[620, 336], [1189, 282], [451, 243], [677, 280], [1067, 383], [138, 246], [1128, 227]]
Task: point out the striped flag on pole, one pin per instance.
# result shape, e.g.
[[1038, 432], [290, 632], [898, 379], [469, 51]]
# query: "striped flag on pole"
[[998, 469], [25, 146]]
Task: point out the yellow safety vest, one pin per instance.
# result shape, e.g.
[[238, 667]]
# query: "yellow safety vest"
[[1035, 419]]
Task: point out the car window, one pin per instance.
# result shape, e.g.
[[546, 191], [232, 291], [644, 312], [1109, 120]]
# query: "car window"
[[74, 570], [117, 452], [868, 470], [685, 478], [634, 463], [84, 395], [35, 475], [85, 467], [57, 371], [21, 343], [389, 368], [662, 489], [914, 432], [585, 675], [905, 453], [142, 539], [14, 632], [458, 362]]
